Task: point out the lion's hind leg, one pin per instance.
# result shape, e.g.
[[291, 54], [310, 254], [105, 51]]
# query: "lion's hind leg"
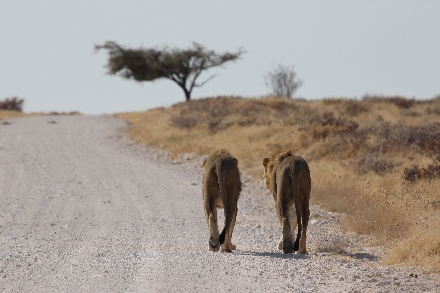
[[233, 247], [293, 225], [214, 242], [305, 221], [291, 218], [286, 243], [227, 244]]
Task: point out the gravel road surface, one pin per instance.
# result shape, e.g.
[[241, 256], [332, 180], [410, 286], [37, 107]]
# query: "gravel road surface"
[[83, 209]]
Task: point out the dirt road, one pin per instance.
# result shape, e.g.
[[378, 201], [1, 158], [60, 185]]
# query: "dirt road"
[[82, 209]]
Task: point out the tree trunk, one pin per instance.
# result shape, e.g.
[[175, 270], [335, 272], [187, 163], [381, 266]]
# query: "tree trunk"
[[185, 90], [187, 94]]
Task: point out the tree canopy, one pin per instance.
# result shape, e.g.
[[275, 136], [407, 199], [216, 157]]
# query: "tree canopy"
[[181, 66]]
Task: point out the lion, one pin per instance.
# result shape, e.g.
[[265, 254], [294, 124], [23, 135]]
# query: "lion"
[[221, 189], [288, 178]]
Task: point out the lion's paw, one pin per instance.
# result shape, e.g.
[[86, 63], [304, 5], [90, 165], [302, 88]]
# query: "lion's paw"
[[224, 249], [213, 244]]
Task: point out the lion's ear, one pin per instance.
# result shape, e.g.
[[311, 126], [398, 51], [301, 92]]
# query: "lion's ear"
[[266, 161], [236, 161], [204, 162]]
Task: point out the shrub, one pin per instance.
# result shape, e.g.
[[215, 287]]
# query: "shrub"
[[415, 173], [410, 113], [183, 122], [400, 102], [327, 123], [380, 166], [425, 139], [383, 166], [333, 101], [433, 110], [354, 108], [12, 104], [217, 125], [282, 81]]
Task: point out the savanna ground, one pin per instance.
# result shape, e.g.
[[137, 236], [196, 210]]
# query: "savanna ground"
[[375, 160]]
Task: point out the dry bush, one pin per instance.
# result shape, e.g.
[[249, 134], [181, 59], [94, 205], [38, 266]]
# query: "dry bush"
[[433, 110], [400, 102], [183, 122], [415, 173], [327, 123], [333, 101], [349, 107], [378, 165], [354, 108], [401, 138], [282, 81], [335, 137], [433, 106], [410, 113], [12, 104], [383, 137]]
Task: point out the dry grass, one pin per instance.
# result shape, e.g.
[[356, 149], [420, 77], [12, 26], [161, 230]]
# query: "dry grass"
[[422, 248], [375, 160], [6, 114]]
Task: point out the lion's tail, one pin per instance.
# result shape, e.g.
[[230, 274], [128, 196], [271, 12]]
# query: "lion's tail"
[[221, 169], [295, 174]]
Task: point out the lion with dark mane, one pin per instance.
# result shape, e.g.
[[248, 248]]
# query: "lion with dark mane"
[[221, 189], [288, 178]]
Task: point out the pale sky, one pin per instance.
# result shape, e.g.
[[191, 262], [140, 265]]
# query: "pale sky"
[[339, 49]]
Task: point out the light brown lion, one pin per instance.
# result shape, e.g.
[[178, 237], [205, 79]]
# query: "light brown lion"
[[221, 189], [288, 178]]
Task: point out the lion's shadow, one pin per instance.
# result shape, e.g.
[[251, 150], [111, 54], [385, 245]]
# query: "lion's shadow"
[[361, 255], [276, 255], [280, 255]]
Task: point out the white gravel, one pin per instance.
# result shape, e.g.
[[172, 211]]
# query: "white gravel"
[[83, 209]]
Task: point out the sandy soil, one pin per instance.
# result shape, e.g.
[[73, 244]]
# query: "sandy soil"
[[83, 209]]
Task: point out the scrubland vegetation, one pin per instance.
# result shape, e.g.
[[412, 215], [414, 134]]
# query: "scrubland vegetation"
[[12, 104], [375, 160], [11, 107]]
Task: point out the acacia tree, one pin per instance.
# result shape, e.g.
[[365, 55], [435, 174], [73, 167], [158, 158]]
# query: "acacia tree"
[[282, 81], [181, 66]]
